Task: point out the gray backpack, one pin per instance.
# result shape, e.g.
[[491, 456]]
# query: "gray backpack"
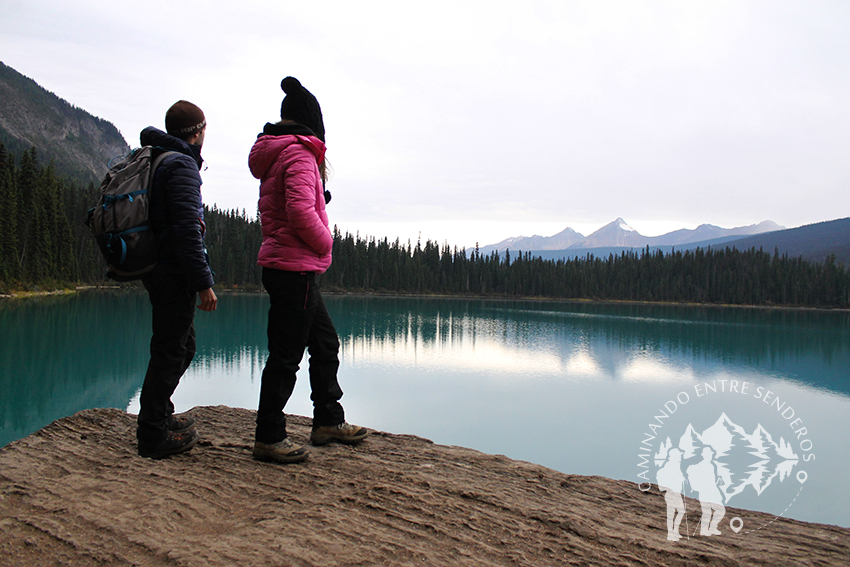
[[120, 221]]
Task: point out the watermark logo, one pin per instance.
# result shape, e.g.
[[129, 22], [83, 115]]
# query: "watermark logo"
[[724, 458]]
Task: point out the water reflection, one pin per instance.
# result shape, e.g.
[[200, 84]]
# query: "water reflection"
[[568, 385], [612, 342], [573, 386], [61, 354]]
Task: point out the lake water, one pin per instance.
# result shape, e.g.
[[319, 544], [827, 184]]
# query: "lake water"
[[583, 388]]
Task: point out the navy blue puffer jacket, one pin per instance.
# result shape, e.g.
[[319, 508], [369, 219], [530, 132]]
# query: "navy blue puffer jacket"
[[177, 210]]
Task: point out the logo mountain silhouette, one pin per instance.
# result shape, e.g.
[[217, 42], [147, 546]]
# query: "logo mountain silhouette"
[[742, 459]]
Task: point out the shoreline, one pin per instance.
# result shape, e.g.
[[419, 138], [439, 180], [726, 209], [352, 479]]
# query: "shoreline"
[[69, 291], [394, 500]]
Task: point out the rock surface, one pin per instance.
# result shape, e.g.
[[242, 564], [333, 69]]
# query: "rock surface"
[[76, 493]]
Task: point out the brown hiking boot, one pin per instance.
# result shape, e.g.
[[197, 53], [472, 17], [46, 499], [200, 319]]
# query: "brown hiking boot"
[[281, 452], [342, 432], [180, 423], [173, 444]]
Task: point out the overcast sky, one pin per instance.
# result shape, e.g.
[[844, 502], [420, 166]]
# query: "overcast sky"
[[473, 121]]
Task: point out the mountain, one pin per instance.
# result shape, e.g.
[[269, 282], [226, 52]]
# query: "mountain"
[[710, 232], [560, 241], [617, 235], [814, 242], [620, 235], [79, 145], [722, 434]]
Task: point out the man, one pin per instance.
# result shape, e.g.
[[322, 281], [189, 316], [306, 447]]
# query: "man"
[[182, 274], [703, 479], [671, 481]]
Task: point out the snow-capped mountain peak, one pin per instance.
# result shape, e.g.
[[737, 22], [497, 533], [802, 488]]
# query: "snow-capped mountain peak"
[[620, 234]]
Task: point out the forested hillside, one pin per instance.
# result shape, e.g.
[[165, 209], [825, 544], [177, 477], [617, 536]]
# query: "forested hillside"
[[38, 243], [44, 243], [78, 144]]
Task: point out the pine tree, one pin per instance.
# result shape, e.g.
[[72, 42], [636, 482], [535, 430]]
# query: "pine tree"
[[9, 256], [31, 232]]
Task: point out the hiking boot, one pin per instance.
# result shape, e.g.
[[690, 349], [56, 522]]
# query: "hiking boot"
[[180, 424], [342, 432], [281, 452], [173, 444]]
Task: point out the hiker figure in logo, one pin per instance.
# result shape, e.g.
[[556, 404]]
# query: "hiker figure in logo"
[[703, 479], [671, 480]]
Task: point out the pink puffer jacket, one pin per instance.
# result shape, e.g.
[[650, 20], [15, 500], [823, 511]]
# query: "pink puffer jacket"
[[296, 236]]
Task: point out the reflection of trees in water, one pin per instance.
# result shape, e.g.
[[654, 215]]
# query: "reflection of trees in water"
[[235, 334], [806, 344], [62, 354], [65, 353]]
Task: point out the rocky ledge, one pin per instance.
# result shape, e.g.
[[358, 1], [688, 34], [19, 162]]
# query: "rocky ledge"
[[76, 493]]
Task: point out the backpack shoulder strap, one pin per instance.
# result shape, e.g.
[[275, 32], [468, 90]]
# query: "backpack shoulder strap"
[[155, 163], [158, 159]]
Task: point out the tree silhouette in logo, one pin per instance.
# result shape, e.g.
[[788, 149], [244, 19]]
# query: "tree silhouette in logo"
[[719, 463]]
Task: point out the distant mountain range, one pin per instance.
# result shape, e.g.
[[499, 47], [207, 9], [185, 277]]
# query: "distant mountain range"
[[812, 242], [619, 234], [79, 145]]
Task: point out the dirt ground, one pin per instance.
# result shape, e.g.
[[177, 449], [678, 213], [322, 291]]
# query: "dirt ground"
[[76, 493]]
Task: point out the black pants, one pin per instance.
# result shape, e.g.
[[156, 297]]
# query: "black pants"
[[297, 319], [172, 350]]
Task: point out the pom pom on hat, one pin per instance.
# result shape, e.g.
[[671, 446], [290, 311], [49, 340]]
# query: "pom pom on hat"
[[301, 106], [290, 85]]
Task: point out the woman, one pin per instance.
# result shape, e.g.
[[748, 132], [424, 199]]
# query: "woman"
[[288, 158]]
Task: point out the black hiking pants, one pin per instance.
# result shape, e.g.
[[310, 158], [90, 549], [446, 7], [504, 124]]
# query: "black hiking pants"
[[172, 350], [298, 319]]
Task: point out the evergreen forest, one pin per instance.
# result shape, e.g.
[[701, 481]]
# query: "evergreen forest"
[[44, 244]]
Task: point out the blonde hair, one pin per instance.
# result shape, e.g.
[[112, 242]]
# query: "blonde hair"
[[324, 170]]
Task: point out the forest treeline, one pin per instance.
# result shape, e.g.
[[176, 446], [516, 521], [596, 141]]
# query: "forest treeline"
[[729, 276], [44, 243]]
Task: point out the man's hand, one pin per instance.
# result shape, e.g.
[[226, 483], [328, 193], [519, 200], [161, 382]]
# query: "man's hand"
[[208, 300]]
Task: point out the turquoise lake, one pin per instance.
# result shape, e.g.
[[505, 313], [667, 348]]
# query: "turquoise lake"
[[583, 388]]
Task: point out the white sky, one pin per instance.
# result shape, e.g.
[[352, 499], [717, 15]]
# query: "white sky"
[[474, 121]]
